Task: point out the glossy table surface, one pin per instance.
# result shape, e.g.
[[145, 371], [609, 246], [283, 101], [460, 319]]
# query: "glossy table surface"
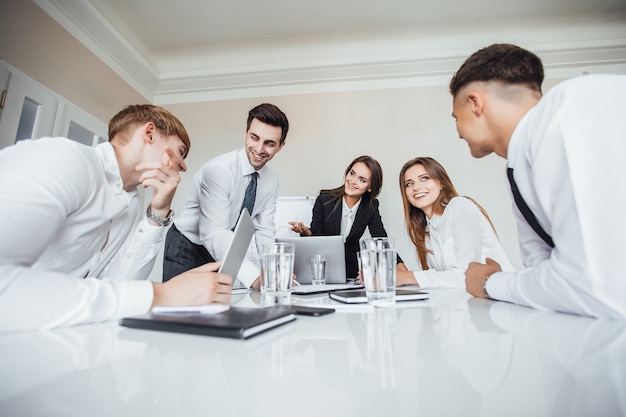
[[450, 356]]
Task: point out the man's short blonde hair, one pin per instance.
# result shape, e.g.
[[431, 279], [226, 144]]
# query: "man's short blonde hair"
[[121, 124]]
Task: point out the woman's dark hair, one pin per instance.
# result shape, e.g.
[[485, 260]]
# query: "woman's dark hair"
[[376, 181]]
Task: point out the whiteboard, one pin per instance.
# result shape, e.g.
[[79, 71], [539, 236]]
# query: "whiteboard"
[[292, 208]]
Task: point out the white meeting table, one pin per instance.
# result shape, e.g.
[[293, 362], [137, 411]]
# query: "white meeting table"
[[452, 355]]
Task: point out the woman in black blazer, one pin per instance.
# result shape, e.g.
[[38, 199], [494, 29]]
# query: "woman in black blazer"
[[355, 197]]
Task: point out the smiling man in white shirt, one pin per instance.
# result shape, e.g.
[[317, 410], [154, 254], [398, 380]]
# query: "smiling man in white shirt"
[[565, 153], [203, 230], [76, 246]]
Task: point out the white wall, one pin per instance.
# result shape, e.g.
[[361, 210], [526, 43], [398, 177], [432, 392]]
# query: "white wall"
[[329, 130]]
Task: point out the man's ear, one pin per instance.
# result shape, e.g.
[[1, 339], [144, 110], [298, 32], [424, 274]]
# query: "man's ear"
[[280, 147], [476, 102], [148, 132]]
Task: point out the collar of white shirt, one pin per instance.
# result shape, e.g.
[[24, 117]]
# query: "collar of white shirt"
[[112, 170], [345, 209], [246, 168], [346, 219]]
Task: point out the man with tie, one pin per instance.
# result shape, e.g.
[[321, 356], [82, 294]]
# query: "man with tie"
[[565, 153], [224, 186]]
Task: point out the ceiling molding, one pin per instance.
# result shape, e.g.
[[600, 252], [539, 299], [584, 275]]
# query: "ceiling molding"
[[559, 63], [87, 25], [567, 50]]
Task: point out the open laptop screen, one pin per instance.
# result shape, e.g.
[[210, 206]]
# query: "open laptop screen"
[[238, 247], [330, 246]]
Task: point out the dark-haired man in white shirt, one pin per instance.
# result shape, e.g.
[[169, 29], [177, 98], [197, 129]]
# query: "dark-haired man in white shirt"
[[565, 153], [203, 229]]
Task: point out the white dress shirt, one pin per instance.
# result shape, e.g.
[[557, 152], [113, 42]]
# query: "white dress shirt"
[[65, 216], [347, 217], [212, 210], [462, 234], [568, 157]]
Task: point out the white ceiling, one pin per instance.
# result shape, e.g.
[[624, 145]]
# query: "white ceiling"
[[191, 50]]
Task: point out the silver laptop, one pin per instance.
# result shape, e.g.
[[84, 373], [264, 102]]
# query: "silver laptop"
[[238, 247], [331, 246]]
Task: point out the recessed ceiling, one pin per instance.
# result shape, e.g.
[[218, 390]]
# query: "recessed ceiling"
[[190, 50]]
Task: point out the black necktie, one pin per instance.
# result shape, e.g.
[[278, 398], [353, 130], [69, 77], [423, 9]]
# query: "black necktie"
[[250, 197], [526, 212]]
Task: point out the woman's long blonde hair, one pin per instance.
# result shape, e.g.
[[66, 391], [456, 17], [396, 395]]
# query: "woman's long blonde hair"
[[415, 218]]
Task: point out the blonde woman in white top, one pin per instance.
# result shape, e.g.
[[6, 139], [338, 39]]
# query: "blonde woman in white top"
[[448, 231]]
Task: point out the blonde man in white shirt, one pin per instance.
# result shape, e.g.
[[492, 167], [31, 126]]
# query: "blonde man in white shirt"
[[76, 246], [565, 153], [448, 231]]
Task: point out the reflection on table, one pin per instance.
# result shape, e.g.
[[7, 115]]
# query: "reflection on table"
[[453, 355]]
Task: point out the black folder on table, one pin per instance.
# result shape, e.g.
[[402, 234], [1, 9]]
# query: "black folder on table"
[[234, 323]]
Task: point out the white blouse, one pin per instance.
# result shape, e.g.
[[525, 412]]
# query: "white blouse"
[[462, 234]]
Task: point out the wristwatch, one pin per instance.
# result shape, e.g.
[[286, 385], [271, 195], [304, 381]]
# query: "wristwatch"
[[163, 221]]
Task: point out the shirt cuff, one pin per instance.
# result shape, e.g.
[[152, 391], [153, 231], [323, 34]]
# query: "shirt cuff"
[[422, 279], [136, 297], [149, 232], [498, 285], [248, 273]]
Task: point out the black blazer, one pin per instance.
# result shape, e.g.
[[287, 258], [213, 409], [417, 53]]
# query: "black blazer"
[[326, 221]]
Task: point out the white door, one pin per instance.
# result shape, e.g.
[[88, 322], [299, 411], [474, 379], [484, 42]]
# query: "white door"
[[29, 111]]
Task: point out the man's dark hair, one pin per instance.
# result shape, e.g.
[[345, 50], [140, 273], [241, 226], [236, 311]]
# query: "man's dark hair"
[[506, 63], [271, 115]]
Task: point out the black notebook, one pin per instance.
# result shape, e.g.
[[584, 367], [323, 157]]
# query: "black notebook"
[[359, 296], [234, 323]]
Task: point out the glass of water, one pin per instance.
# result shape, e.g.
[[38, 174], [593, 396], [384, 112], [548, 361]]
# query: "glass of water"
[[277, 262], [379, 276], [318, 269]]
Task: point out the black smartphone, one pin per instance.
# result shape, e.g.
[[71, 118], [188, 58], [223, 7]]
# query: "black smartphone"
[[311, 311]]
